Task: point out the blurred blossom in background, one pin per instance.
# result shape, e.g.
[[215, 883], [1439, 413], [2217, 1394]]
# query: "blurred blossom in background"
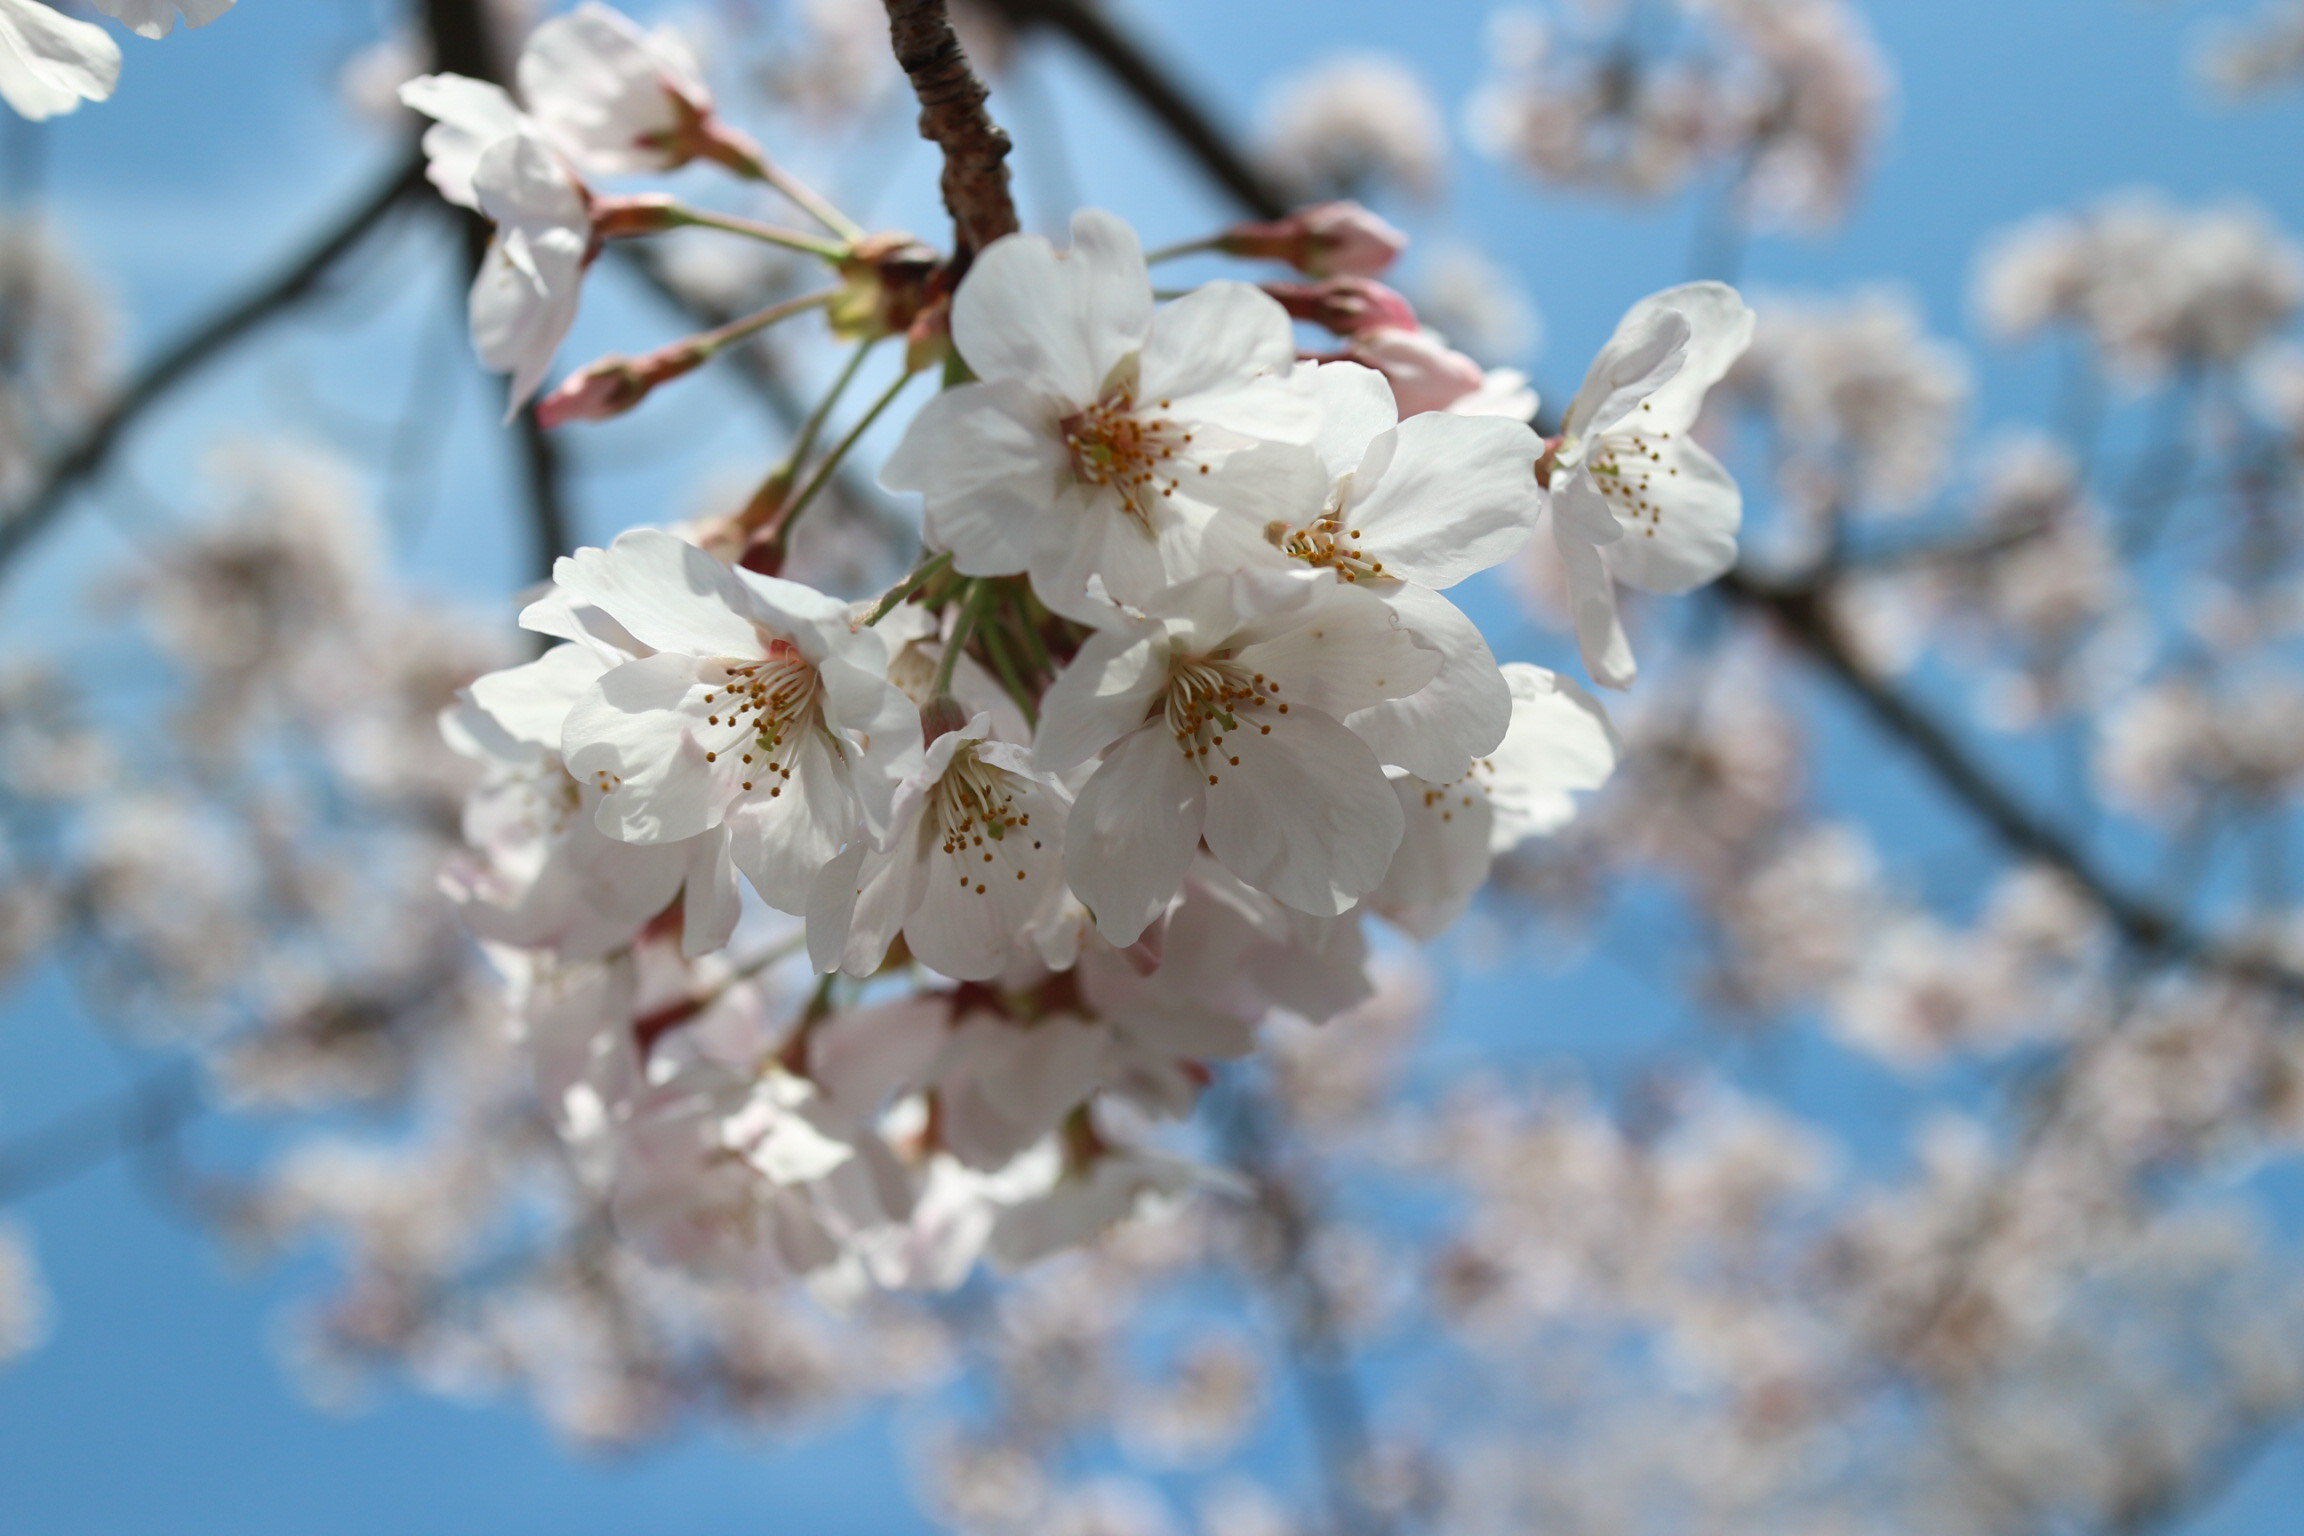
[[1723, 951]]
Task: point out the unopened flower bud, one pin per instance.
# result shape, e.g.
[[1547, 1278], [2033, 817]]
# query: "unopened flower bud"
[[624, 218], [614, 385], [1426, 374], [941, 717], [1339, 239], [1345, 305]]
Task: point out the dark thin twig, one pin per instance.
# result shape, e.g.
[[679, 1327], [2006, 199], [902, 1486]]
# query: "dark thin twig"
[[1157, 92], [953, 118], [1801, 614], [210, 339]]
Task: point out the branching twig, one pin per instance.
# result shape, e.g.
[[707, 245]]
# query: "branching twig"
[[1801, 613], [1157, 92], [86, 1138], [207, 341], [952, 117]]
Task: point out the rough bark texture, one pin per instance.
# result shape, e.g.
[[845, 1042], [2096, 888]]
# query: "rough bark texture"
[[952, 117]]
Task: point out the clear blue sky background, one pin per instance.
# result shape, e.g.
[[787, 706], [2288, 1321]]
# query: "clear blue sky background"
[[157, 1406]]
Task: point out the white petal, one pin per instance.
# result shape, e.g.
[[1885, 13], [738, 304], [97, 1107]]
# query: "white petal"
[[1355, 406], [989, 461], [1649, 347], [157, 18], [1719, 329], [1132, 832], [1600, 637], [1103, 694], [1217, 337], [531, 701], [1342, 651], [1462, 713], [50, 63], [1560, 740], [1685, 534], [710, 902], [786, 832], [634, 736], [1443, 856], [666, 592], [1055, 321], [863, 1057], [1456, 495], [1304, 815], [468, 116]]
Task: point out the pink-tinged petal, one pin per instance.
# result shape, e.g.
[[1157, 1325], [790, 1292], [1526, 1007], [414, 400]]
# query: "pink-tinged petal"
[[710, 901], [1301, 813], [1132, 832], [1456, 495], [1215, 338], [1649, 347], [863, 1057], [544, 877], [1600, 636], [789, 826], [1683, 532], [670, 595], [634, 737], [978, 900], [1102, 695], [1560, 741], [1443, 856], [1342, 652], [1719, 329], [1436, 731], [1056, 321], [468, 117], [989, 461], [50, 63]]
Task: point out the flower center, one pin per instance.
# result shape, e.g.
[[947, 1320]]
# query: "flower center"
[[1210, 695], [1625, 467], [1326, 543], [1130, 452], [973, 801], [765, 704]]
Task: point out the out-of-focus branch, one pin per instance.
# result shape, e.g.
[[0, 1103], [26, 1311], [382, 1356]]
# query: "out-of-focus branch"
[[203, 344], [1801, 613], [86, 1138], [1158, 92], [952, 117]]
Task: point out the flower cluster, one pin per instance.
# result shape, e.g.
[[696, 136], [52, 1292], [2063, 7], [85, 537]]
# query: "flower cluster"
[[1173, 702], [50, 63]]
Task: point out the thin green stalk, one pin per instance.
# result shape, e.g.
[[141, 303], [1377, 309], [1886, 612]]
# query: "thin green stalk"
[[813, 427], [790, 239], [810, 201], [824, 471], [1183, 248], [709, 342], [971, 609], [921, 575], [1005, 666]]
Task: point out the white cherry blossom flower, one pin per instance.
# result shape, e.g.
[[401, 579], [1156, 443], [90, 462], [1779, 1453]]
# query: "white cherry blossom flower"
[[468, 117], [1081, 450], [972, 864], [1634, 497], [541, 873], [1559, 741], [50, 63], [1401, 509], [763, 710], [157, 18], [611, 97], [531, 281], [1222, 710]]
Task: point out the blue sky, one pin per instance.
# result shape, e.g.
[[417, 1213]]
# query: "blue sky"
[[158, 1405]]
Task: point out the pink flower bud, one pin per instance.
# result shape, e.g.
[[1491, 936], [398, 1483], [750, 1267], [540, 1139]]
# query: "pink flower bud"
[[1340, 239], [1345, 305], [1426, 374], [595, 392]]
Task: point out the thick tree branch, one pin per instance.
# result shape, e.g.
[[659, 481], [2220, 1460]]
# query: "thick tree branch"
[[1159, 93], [952, 117], [1801, 613], [207, 341]]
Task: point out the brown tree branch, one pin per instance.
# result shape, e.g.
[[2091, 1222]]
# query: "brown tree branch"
[[203, 344], [952, 117]]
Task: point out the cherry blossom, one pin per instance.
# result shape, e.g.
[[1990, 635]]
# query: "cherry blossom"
[[1079, 453], [761, 710], [1219, 713], [611, 97], [50, 63], [1634, 497], [157, 18]]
